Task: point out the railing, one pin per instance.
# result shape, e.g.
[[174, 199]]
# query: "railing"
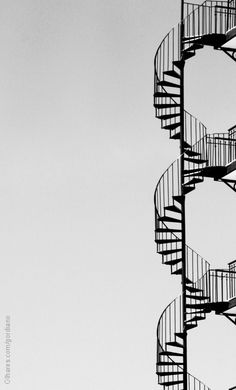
[[232, 265], [170, 322], [211, 17], [222, 285], [221, 149], [219, 285], [232, 132], [195, 384]]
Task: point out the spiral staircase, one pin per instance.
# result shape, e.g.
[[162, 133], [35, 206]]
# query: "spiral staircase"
[[212, 23]]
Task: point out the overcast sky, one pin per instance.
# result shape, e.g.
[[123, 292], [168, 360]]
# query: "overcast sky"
[[80, 155]]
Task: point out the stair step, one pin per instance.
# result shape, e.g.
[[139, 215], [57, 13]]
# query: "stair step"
[[175, 136], [172, 383], [197, 297], [170, 353], [172, 126], [168, 240], [173, 208], [172, 73], [169, 364], [165, 83], [160, 106], [195, 160], [193, 181], [165, 94], [186, 145], [177, 272], [196, 318], [188, 189], [179, 64], [195, 46], [168, 219], [167, 230], [197, 170], [168, 373], [188, 281], [180, 335], [173, 262], [196, 38], [169, 251], [188, 54], [200, 174], [178, 198], [175, 344], [191, 153], [168, 116], [193, 289], [196, 305], [197, 312], [190, 326]]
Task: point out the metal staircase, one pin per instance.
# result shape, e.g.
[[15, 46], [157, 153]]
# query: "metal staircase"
[[212, 23]]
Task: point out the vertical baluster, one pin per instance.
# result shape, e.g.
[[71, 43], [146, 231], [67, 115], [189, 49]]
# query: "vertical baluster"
[[222, 286]]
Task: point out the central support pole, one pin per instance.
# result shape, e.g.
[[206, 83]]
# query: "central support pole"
[[182, 140]]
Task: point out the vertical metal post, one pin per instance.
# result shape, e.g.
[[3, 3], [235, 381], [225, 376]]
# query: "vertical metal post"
[[182, 120], [228, 14]]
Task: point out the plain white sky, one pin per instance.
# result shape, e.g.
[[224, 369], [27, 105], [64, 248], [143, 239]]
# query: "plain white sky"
[[80, 155]]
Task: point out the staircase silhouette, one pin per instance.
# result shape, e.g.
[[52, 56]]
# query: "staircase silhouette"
[[212, 23]]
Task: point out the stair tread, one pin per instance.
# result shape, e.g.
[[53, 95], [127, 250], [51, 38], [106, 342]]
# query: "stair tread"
[[193, 289], [195, 318], [195, 160], [173, 262], [188, 54], [170, 353], [188, 189], [172, 126], [177, 272], [169, 251], [166, 105], [172, 73], [175, 344], [196, 305], [165, 94], [175, 136], [180, 335], [167, 230], [168, 219], [192, 153], [171, 383], [190, 326], [195, 46], [169, 364], [178, 198], [193, 181], [196, 38], [197, 312], [168, 116], [198, 298], [186, 145], [188, 281], [168, 373], [192, 170], [179, 64], [174, 209], [168, 240], [165, 83]]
